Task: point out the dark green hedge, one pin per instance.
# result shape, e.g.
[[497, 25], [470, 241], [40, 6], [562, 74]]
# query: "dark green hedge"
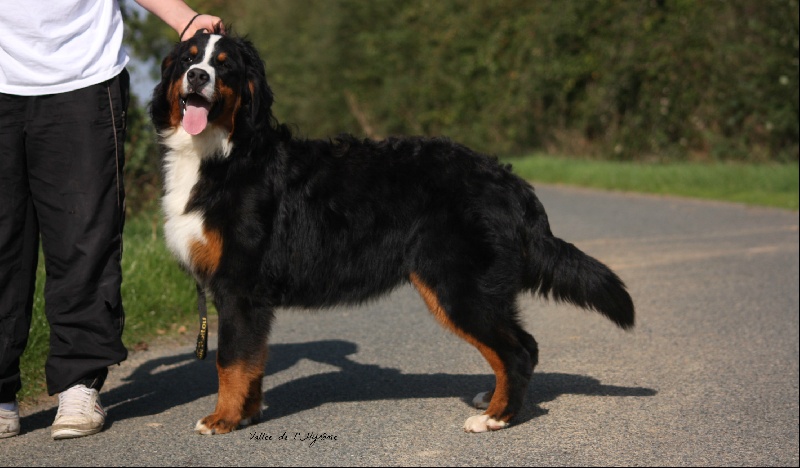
[[620, 79], [628, 80]]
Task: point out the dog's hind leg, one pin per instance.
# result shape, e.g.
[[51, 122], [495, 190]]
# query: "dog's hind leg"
[[482, 400], [510, 351], [241, 357]]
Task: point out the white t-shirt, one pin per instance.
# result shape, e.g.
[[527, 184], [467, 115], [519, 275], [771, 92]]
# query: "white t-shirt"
[[55, 46]]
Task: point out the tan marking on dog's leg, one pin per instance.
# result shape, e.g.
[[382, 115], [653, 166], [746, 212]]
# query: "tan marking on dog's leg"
[[495, 416], [254, 402], [239, 397]]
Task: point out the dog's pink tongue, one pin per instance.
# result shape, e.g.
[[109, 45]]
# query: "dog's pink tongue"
[[195, 118]]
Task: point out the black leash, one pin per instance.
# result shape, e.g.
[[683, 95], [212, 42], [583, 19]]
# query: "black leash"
[[187, 26], [202, 338]]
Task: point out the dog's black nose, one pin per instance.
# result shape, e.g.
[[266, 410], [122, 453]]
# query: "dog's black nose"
[[197, 78]]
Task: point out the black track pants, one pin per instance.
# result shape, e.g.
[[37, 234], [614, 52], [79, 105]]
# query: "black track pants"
[[61, 161]]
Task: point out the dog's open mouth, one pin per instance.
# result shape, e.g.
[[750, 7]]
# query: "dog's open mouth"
[[195, 113]]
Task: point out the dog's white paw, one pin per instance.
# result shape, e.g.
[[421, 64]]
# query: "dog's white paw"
[[483, 423], [481, 400], [201, 428]]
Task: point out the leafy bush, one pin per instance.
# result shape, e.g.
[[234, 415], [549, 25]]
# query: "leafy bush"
[[613, 79]]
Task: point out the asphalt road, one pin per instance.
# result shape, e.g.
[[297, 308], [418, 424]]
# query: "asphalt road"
[[709, 376]]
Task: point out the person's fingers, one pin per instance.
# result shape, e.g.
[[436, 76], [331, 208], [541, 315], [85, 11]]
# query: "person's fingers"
[[208, 23]]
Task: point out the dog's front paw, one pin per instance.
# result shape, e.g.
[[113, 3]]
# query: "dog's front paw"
[[213, 424], [483, 423]]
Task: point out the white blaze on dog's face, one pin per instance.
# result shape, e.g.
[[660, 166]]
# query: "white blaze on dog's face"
[[198, 88]]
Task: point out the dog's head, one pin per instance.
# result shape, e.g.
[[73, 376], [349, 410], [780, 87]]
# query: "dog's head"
[[213, 81]]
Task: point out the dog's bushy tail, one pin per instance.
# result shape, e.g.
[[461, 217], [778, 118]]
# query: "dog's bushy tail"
[[563, 272], [560, 270]]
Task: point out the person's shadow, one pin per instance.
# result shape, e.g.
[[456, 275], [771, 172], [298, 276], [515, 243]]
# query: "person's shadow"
[[164, 383]]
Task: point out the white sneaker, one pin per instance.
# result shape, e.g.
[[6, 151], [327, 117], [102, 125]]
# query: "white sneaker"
[[9, 421], [79, 413]]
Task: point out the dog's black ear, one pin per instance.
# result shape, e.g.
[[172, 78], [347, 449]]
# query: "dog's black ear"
[[159, 105], [256, 93], [167, 63], [170, 60]]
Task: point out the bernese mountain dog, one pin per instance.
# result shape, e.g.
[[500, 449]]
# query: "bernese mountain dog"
[[264, 219]]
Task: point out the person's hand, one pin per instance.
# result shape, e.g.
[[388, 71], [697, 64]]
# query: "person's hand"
[[209, 23]]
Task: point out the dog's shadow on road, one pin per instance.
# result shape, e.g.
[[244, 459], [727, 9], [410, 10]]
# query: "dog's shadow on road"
[[164, 383]]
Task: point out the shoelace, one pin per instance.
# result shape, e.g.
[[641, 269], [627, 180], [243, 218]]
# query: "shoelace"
[[75, 401]]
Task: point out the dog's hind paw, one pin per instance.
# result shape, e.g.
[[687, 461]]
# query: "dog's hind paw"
[[254, 419], [481, 400], [483, 423]]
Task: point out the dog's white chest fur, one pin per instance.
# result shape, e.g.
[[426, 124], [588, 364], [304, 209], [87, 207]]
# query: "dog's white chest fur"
[[182, 161]]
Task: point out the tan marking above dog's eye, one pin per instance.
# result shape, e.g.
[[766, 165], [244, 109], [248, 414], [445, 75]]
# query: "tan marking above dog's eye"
[[222, 57], [193, 50]]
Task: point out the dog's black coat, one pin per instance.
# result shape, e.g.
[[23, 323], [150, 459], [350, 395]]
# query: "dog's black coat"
[[316, 223]]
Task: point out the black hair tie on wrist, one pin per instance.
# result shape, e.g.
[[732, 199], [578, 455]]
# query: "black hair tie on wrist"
[[180, 38]]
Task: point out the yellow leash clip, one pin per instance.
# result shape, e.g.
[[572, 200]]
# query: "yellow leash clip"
[[201, 349]]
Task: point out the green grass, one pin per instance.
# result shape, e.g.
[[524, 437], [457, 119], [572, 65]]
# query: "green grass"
[[159, 298], [774, 185]]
